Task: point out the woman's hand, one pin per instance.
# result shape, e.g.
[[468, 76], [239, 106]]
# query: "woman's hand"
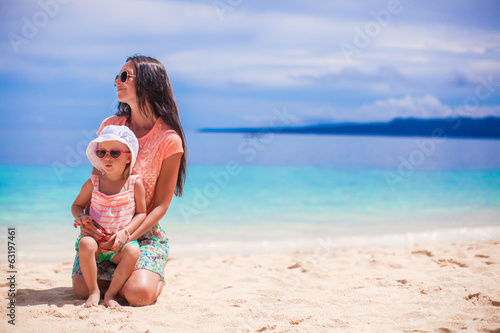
[[91, 230]]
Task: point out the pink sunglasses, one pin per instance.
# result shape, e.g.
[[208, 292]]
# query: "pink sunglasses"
[[113, 153]]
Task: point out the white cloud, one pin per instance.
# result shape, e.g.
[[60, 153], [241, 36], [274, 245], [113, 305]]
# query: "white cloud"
[[285, 48], [384, 110], [407, 107], [424, 107], [260, 47]]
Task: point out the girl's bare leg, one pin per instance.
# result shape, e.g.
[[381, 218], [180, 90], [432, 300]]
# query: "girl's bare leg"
[[88, 250], [80, 289], [125, 260]]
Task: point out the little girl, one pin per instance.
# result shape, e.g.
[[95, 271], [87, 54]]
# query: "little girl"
[[117, 208]]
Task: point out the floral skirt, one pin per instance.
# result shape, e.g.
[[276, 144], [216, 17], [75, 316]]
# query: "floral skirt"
[[154, 255]]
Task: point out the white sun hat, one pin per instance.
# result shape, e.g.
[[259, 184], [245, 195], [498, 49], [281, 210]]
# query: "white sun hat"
[[114, 133]]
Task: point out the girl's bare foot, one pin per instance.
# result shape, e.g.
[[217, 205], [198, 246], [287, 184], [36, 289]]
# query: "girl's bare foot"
[[110, 300], [93, 299]]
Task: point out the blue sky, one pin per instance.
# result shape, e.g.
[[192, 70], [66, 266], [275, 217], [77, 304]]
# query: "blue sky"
[[232, 62]]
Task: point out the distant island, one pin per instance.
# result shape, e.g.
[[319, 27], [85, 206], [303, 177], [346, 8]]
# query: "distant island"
[[481, 128]]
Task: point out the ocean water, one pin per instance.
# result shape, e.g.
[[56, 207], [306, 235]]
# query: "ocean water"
[[284, 193]]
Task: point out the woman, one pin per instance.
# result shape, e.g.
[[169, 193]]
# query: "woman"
[[148, 108]]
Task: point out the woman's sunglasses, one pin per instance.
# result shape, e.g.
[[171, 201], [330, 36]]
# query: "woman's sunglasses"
[[114, 153], [124, 76]]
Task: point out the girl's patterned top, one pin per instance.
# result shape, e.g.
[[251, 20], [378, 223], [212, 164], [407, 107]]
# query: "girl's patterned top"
[[112, 212], [160, 143]]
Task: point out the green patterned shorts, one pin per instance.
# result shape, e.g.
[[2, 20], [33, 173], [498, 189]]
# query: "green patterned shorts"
[[154, 256]]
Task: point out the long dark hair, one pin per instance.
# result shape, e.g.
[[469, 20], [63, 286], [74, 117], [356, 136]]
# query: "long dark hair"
[[154, 90]]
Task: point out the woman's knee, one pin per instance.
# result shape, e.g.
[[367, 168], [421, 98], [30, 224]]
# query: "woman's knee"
[[142, 289], [80, 289], [140, 295]]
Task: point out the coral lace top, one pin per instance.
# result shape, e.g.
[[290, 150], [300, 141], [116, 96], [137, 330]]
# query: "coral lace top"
[[160, 143]]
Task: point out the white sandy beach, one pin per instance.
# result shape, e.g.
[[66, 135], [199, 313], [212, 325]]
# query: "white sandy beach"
[[452, 287], [425, 288]]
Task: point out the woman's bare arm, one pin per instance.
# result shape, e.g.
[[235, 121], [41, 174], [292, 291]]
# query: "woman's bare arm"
[[165, 188]]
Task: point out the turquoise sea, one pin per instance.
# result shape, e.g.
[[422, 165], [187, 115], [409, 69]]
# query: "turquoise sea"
[[284, 193]]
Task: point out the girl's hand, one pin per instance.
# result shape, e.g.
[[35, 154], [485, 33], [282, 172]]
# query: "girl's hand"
[[120, 238], [107, 244], [82, 220]]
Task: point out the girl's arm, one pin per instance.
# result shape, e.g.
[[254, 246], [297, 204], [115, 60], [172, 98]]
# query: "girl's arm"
[[89, 228], [165, 188], [81, 201], [124, 235]]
